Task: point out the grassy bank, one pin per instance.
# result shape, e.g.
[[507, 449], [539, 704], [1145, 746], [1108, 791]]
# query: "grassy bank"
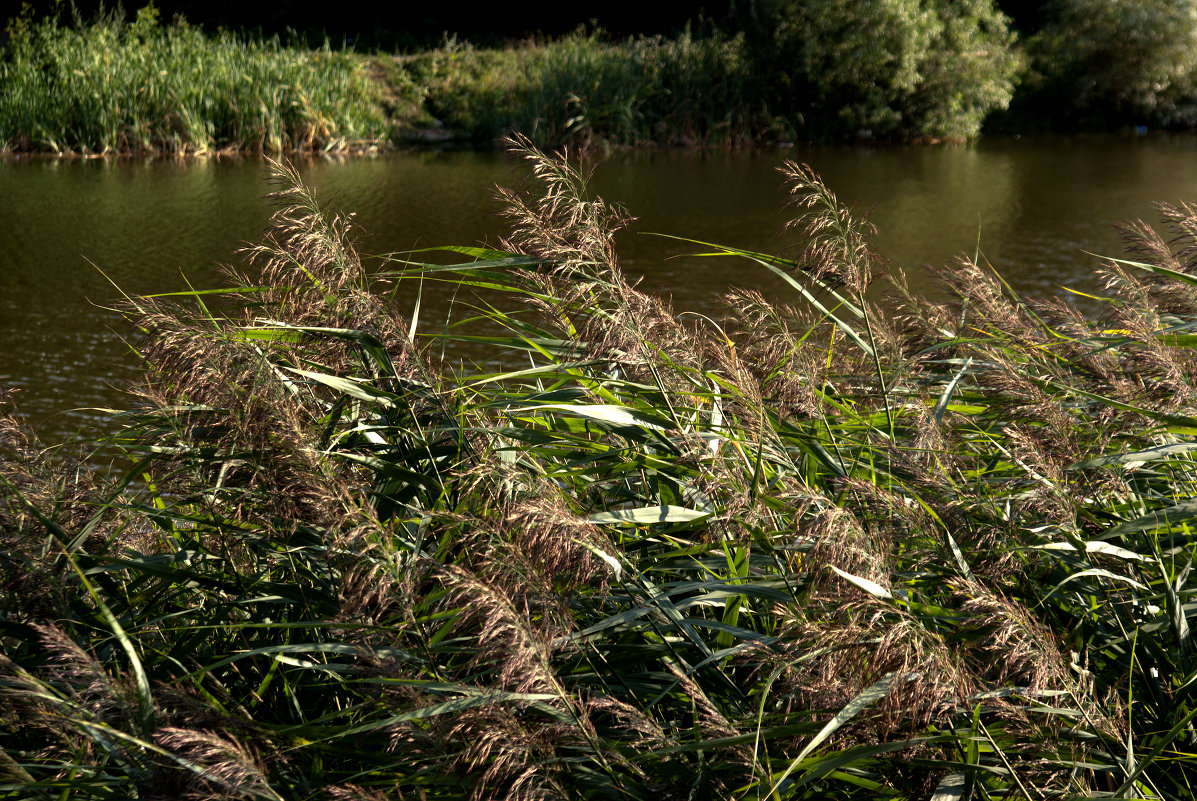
[[814, 70], [820, 550], [109, 86], [586, 90], [791, 70]]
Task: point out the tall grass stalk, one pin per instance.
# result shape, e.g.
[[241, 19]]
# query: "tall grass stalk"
[[108, 86], [803, 551]]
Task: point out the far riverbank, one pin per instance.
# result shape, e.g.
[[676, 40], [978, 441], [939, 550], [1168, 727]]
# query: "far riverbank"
[[939, 73]]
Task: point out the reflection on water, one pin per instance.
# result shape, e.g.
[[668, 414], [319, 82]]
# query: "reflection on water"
[[1032, 207]]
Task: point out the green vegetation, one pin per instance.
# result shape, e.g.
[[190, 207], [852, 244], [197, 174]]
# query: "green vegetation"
[[821, 551], [585, 90], [806, 70], [1110, 62], [885, 68], [107, 86]]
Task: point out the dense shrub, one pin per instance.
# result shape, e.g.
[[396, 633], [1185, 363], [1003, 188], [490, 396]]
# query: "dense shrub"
[[1118, 61], [886, 68]]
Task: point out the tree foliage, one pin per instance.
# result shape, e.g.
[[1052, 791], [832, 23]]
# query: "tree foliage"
[[1122, 60], [890, 68]]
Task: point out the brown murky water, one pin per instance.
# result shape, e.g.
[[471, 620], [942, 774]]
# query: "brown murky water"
[[74, 231]]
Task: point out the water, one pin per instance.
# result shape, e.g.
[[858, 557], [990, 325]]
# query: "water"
[[76, 231]]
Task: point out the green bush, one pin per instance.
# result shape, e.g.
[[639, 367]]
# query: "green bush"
[[1119, 61], [886, 68]]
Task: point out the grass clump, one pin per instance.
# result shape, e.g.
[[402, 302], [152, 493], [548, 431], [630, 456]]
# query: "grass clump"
[[802, 551], [110, 86], [586, 90]]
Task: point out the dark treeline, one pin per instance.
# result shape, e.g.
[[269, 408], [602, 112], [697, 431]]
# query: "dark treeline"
[[407, 25]]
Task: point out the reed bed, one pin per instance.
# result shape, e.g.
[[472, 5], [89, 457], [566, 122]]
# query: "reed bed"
[[107, 86], [809, 550]]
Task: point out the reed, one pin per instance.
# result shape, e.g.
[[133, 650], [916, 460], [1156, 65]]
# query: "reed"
[[107, 86], [803, 551]]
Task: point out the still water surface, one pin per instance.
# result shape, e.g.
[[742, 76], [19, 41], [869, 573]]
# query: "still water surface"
[[1032, 206]]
